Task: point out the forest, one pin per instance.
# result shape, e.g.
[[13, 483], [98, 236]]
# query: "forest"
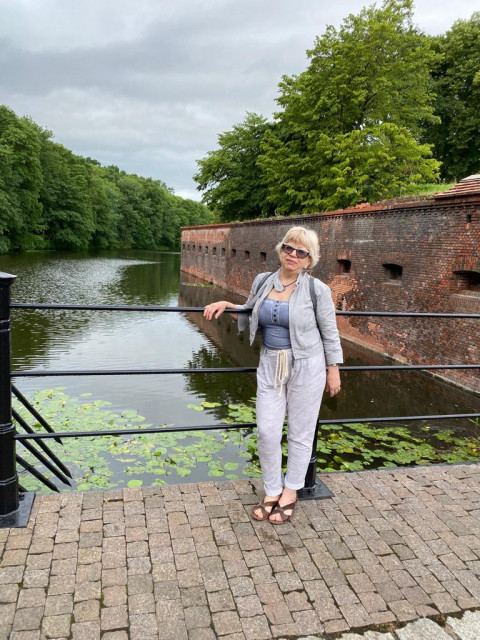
[[381, 111], [51, 198]]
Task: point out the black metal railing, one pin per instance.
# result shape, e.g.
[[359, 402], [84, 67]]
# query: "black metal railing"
[[9, 487]]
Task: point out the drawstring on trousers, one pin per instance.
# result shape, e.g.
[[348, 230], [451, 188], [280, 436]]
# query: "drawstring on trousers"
[[281, 369]]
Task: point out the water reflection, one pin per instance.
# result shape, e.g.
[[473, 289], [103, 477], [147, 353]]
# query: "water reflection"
[[364, 394]]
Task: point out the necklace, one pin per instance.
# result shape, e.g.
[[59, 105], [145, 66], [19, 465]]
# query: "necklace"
[[290, 283]]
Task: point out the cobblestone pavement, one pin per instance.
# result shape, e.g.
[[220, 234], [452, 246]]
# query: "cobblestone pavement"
[[187, 562]]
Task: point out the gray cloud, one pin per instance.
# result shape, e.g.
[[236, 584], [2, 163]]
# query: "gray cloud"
[[149, 84]]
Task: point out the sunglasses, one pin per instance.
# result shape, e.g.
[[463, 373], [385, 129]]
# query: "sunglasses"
[[301, 253]]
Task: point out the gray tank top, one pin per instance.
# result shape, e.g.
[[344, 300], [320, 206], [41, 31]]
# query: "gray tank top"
[[273, 323]]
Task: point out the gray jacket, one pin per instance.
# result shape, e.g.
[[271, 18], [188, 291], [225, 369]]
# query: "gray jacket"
[[308, 337]]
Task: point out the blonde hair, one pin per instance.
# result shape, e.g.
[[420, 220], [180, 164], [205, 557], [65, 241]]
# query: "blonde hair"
[[307, 238]]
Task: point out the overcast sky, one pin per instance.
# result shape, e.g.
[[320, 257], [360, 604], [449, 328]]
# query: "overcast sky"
[[148, 84]]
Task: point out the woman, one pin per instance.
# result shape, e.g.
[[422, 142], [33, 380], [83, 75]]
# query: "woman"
[[298, 361]]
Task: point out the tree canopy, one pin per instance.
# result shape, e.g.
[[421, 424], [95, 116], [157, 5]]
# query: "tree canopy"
[[52, 198], [456, 81], [232, 182], [349, 126], [379, 107]]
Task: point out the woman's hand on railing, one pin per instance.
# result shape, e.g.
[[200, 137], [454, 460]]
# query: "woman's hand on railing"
[[216, 309]]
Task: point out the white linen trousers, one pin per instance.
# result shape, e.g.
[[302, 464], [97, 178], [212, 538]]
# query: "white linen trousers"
[[299, 395]]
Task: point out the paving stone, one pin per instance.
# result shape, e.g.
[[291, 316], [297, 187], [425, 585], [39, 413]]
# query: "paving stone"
[[114, 617], [86, 611], [7, 614], [113, 577], [467, 627], [14, 557], [58, 605], [89, 572], [61, 584], [326, 609], [56, 626], [22, 635], [403, 610], [172, 630], [86, 630], [143, 626], [193, 596], [307, 622], [249, 606], [282, 630], [87, 591], [444, 602], [196, 617], [335, 626], [262, 575], [242, 586], [89, 556], [226, 622], [356, 615], [344, 595], [191, 578], [114, 595], [214, 581], [206, 549], [297, 601], [235, 568], [29, 618], [9, 593], [170, 610], [269, 593], [256, 628], [201, 634], [424, 629], [31, 598], [122, 635], [288, 581], [139, 565], [141, 603], [368, 635], [278, 613], [137, 549], [168, 590], [221, 601]]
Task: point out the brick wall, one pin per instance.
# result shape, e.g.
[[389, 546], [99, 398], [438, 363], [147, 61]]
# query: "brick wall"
[[415, 255]]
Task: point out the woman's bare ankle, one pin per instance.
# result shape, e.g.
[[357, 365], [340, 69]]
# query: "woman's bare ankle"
[[274, 497], [288, 496]]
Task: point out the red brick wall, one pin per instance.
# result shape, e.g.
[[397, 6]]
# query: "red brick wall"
[[429, 239]]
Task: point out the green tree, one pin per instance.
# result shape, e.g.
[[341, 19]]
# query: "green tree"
[[350, 124], [105, 198], [52, 198], [456, 79], [233, 185], [66, 198], [20, 181], [185, 213]]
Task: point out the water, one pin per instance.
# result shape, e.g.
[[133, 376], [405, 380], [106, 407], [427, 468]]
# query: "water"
[[68, 340]]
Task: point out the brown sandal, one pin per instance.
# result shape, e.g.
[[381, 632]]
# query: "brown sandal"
[[281, 510], [265, 514]]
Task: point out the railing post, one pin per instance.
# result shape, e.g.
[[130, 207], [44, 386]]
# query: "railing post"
[[314, 488], [9, 499]]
